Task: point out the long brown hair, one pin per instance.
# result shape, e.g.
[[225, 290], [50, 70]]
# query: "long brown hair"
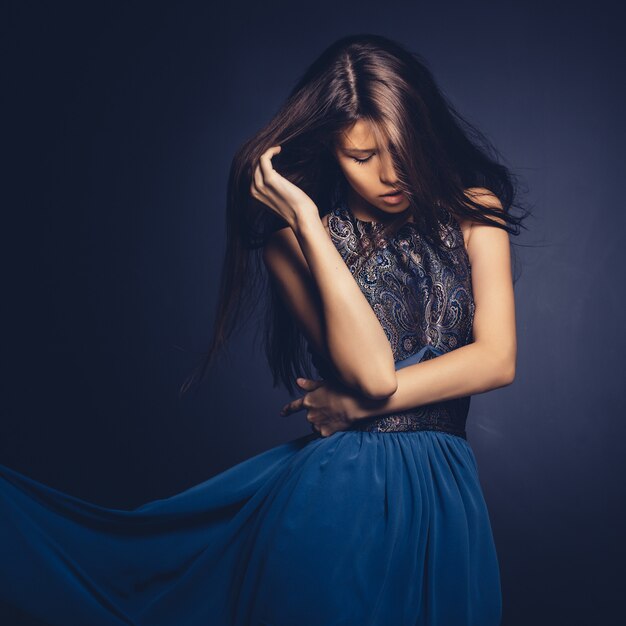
[[437, 155]]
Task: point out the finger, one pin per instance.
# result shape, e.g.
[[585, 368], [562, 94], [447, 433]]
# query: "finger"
[[324, 430], [266, 164], [314, 427], [292, 407], [309, 383], [258, 179], [298, 405]]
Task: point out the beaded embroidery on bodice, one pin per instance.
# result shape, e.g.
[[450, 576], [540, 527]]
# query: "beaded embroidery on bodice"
[[422, 297]]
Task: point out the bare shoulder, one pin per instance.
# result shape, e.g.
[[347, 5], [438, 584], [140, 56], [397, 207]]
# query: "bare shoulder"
[[486, 198], [492, 285], [288, 266]]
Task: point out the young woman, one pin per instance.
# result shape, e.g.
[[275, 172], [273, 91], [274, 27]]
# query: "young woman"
[[382, 226]]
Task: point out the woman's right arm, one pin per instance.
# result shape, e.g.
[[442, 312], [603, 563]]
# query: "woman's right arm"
[[329, 306]]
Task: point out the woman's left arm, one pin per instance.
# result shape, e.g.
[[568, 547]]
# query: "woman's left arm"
[[488, 362]]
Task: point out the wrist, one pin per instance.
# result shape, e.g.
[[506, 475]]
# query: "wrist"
[[305, 219]]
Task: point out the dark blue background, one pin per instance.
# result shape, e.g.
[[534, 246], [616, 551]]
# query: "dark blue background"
[[120, 123]]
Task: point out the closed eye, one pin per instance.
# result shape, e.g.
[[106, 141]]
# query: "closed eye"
[[360, 161]]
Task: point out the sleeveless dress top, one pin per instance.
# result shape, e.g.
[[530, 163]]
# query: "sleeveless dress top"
[[423, 299]]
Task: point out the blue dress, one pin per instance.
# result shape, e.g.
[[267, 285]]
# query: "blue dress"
[[384, 524]]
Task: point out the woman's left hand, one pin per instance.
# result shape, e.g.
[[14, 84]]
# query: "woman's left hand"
[[329, 407]]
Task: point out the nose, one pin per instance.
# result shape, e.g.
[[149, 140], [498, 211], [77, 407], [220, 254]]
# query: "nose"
[[387, 170]]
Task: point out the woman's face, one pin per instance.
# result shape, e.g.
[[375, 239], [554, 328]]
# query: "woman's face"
[[369, 170]]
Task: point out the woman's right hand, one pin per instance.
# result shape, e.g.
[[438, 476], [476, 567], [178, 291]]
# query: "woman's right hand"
[[280, 195]]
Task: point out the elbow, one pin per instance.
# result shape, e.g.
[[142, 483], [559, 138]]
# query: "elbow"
[[381, 388], [505, 373]]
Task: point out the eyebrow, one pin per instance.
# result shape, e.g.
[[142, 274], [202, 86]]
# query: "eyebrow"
[[359, 150]]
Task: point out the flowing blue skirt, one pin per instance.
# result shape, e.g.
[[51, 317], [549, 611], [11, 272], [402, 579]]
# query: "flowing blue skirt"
[[355, 529]]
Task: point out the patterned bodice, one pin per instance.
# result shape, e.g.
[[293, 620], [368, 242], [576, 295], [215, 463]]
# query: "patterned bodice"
[[423, 299]]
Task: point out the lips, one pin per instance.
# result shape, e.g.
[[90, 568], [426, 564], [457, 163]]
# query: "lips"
[[391, 193]]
